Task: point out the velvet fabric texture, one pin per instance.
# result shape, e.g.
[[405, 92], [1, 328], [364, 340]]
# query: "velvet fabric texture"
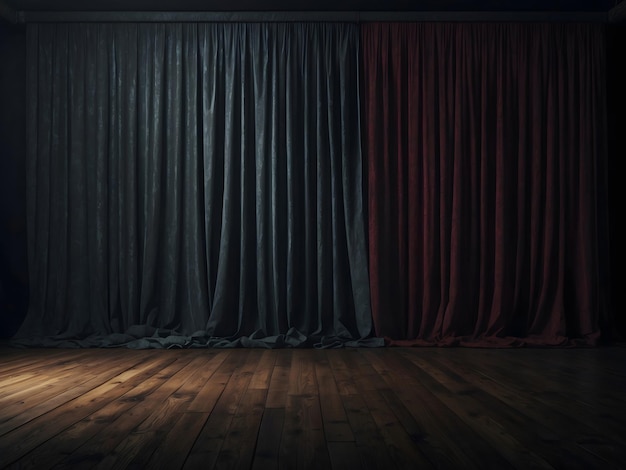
[[196, 181], [486, 152]]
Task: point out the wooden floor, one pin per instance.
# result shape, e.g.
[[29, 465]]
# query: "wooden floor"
[[352, 408]]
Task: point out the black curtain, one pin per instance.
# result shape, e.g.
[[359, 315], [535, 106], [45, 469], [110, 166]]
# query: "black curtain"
[[195, 185]]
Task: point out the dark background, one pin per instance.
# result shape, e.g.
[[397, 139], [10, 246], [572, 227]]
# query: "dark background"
[[13, 266], [13, 236], [312, 5], [616, 88]]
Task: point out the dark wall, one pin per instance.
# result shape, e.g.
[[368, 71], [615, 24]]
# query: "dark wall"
[[616, 88], [13, 269]]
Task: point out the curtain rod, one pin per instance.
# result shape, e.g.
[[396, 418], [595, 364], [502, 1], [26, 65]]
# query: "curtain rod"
[[308, 16]]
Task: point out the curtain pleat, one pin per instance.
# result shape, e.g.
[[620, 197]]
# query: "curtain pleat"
[[485, 145], [196, 185]]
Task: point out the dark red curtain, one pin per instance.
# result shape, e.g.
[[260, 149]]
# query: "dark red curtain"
[[486, 147]]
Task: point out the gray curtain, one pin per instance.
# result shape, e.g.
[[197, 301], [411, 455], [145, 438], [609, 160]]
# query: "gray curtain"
[[195, 185]]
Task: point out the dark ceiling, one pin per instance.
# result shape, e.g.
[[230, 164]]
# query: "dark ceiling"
[[24, 11], [313, 5]]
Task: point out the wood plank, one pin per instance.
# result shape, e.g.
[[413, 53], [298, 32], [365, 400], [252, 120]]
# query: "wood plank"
[[178, 392], [205, 450], [107, 423], [416, 432], [237, 451], [144, 398], [453, 443], [336, 425], [303, 444], [267, 451], [279, 381], [344, 456], [579, 428], [175, 447], [45, 384], [404, 452], [263, 374], [209, 394], [362, 373], [78, 402], [342, 373], [591, 397], [367, 435], [582, 380], [27, 411], [495, 420], [14, 389], [23, 360], [28, 375], [142, 441], [302, 373], [353, 408]]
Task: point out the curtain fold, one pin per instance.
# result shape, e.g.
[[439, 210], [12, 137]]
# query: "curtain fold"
[[486, 156], [196, 185]]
